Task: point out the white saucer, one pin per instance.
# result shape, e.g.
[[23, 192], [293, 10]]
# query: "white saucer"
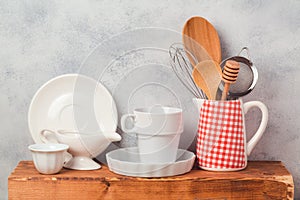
[[126, 161], [72, 102]]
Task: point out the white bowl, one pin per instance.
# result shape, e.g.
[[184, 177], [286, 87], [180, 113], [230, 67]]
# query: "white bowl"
[[48, 158], [126, 161], [84, 147]]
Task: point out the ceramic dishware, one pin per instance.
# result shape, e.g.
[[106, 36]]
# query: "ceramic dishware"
[[83, 146], [48, 158], [72, 102], [158, 130], [221, 140], [126, 161]]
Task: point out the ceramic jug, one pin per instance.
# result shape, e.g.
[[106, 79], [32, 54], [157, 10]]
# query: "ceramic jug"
[[221, 138]]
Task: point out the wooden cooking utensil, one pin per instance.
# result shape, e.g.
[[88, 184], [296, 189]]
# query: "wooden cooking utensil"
[[198, 31], [229, 75], [207, 76]]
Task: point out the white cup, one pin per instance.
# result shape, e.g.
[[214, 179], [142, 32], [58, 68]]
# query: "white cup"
[[48, 158], [158, 132]]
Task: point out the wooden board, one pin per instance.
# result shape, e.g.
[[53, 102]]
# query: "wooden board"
[[260, 180]]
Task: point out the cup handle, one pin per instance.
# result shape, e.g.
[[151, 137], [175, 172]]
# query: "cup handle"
[[67, 157], [124, 119], [43, 136], [262, 127]]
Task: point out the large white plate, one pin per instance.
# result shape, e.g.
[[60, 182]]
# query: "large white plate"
[[126, 161], [72, 102]]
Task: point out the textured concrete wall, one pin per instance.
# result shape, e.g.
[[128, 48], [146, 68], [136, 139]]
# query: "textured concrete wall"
[[42, 39]]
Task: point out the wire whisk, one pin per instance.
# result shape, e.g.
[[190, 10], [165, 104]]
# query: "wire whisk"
[[180, 60]]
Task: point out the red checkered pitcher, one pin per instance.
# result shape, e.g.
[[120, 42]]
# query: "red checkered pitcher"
[[221, 139]]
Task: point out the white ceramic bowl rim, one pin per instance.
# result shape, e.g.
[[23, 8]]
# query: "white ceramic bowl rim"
[[164, 110], [184, 157], [78, 132], [49, 147]]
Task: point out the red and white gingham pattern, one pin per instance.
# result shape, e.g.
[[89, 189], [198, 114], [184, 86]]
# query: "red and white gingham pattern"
[[220, 141]]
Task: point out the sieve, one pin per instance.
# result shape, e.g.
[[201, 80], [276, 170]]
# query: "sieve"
[[247, 77]]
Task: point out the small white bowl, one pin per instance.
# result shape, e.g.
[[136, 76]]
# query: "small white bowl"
[[48, 158]]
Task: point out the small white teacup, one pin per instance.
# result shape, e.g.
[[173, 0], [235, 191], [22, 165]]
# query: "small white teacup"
[[48, 158]]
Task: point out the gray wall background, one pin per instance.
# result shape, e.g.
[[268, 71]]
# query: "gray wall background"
[[42, 39]]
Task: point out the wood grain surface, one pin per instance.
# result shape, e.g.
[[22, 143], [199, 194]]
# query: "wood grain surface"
[[198, 31], [260, 180]]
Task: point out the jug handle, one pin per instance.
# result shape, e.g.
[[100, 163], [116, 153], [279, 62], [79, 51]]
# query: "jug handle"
[[262, 127]]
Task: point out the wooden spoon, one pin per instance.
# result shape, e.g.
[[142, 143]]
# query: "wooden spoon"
[[207, 76], [197, 31], [229, 75]]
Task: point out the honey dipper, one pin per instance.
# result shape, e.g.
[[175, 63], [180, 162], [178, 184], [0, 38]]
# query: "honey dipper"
[[229, 75]]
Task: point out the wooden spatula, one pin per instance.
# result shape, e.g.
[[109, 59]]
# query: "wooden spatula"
[[198, 30], [207, 76]]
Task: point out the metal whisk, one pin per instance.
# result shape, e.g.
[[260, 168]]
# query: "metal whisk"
[[181, 65]]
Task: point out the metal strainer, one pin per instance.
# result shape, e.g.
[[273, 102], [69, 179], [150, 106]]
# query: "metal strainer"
[[247, 77]]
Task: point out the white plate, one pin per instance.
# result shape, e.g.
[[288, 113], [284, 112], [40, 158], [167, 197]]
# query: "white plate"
[[126, 161], [72, 102]]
